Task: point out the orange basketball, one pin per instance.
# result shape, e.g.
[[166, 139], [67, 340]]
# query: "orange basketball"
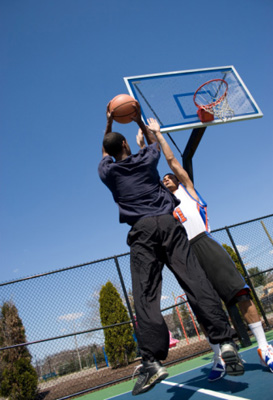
[[122, 108]]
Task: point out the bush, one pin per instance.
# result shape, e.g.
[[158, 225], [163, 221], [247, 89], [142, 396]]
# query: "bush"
[[19, 378], [120, 346]]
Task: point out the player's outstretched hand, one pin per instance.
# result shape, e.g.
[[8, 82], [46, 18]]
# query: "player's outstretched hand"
[[153, 125]]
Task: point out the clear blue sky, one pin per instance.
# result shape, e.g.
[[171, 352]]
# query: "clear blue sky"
[[61, 62]]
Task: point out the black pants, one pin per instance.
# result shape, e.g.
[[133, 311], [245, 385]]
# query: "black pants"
[[219, 267], [155, 241]]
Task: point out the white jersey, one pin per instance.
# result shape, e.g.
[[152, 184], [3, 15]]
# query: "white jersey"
[[191, 213]]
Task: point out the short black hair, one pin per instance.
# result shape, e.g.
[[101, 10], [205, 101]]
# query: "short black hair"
[[112, 143], [170, 173]]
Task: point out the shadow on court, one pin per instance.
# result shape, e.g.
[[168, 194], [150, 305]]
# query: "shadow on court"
[[255, 384]]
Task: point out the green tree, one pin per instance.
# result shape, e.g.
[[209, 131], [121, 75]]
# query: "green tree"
[[259, 280], [187, 320], [120, 346], [238, 265], [19, 379], [235, 259]]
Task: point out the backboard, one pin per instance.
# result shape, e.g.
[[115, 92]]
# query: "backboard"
[[168, 97]]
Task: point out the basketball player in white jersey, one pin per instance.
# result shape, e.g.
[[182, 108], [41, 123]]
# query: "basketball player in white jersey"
[[220, 269]]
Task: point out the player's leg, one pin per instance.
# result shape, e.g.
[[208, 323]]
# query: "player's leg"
[[218, 367], [202, 297], [152, 332], [224, 277], [231, 287], [250, 314], [219, 266]]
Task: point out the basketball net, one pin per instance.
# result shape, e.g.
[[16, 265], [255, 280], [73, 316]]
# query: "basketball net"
[[221, 110], [211, 98]]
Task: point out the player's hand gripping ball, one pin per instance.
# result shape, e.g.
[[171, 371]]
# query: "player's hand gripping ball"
[[123, 108]]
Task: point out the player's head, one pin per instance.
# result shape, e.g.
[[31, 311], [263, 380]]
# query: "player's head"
[[171, 182], [115, 144]]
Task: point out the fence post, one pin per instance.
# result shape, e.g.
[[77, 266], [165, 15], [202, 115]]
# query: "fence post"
[[105, 357], [247, 278], [239, 325], [125, 293], [235, 314], [95, 361]]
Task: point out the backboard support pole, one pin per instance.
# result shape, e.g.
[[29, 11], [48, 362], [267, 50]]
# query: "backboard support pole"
[[190, 149]]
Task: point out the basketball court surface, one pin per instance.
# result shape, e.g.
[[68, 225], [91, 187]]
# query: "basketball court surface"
[[188, 381]]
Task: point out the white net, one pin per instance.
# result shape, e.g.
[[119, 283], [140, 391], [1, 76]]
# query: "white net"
[[221, 110], [213, 97]]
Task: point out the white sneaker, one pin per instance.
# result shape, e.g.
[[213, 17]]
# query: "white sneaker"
[[266, 357], [233, 362], [218, 370]]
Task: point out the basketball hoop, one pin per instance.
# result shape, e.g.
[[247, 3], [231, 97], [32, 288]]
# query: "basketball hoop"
[[211, 101]]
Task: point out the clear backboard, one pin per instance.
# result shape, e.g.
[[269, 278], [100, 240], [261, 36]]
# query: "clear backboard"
[[168, 97]]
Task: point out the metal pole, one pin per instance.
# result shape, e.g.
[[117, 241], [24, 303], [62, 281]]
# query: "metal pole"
[[247, 277], [125, 293], [190, 149], [267, 233]]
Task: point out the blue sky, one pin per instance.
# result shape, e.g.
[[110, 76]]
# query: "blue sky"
[[61, 62]]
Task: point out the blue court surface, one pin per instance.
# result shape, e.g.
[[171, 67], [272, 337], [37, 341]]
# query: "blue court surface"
[[255, 384]]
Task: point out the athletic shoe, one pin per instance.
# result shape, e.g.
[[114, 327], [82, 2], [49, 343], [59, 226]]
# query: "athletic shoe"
[[151, 373], [234, 364], [266, 357], [218, 370]]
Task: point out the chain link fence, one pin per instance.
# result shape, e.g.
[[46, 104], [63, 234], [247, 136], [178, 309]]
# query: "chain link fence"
[[61, 316]]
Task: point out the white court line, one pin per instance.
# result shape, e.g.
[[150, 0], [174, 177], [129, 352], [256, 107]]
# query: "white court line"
[[206, 391]]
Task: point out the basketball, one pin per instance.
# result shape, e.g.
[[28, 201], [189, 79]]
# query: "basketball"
[[122, 108]]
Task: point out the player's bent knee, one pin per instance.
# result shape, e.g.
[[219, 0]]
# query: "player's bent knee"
[[242, 295]]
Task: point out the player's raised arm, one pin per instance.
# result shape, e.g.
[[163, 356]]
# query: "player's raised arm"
[[172, 161], [109, 122], [108, 128], [149, 136], [140, 139]]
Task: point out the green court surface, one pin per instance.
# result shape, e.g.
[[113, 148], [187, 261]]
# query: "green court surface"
[[127, 386]]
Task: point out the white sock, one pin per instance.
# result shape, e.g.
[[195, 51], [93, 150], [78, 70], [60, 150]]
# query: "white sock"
[[258, 331], [215, 348]]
